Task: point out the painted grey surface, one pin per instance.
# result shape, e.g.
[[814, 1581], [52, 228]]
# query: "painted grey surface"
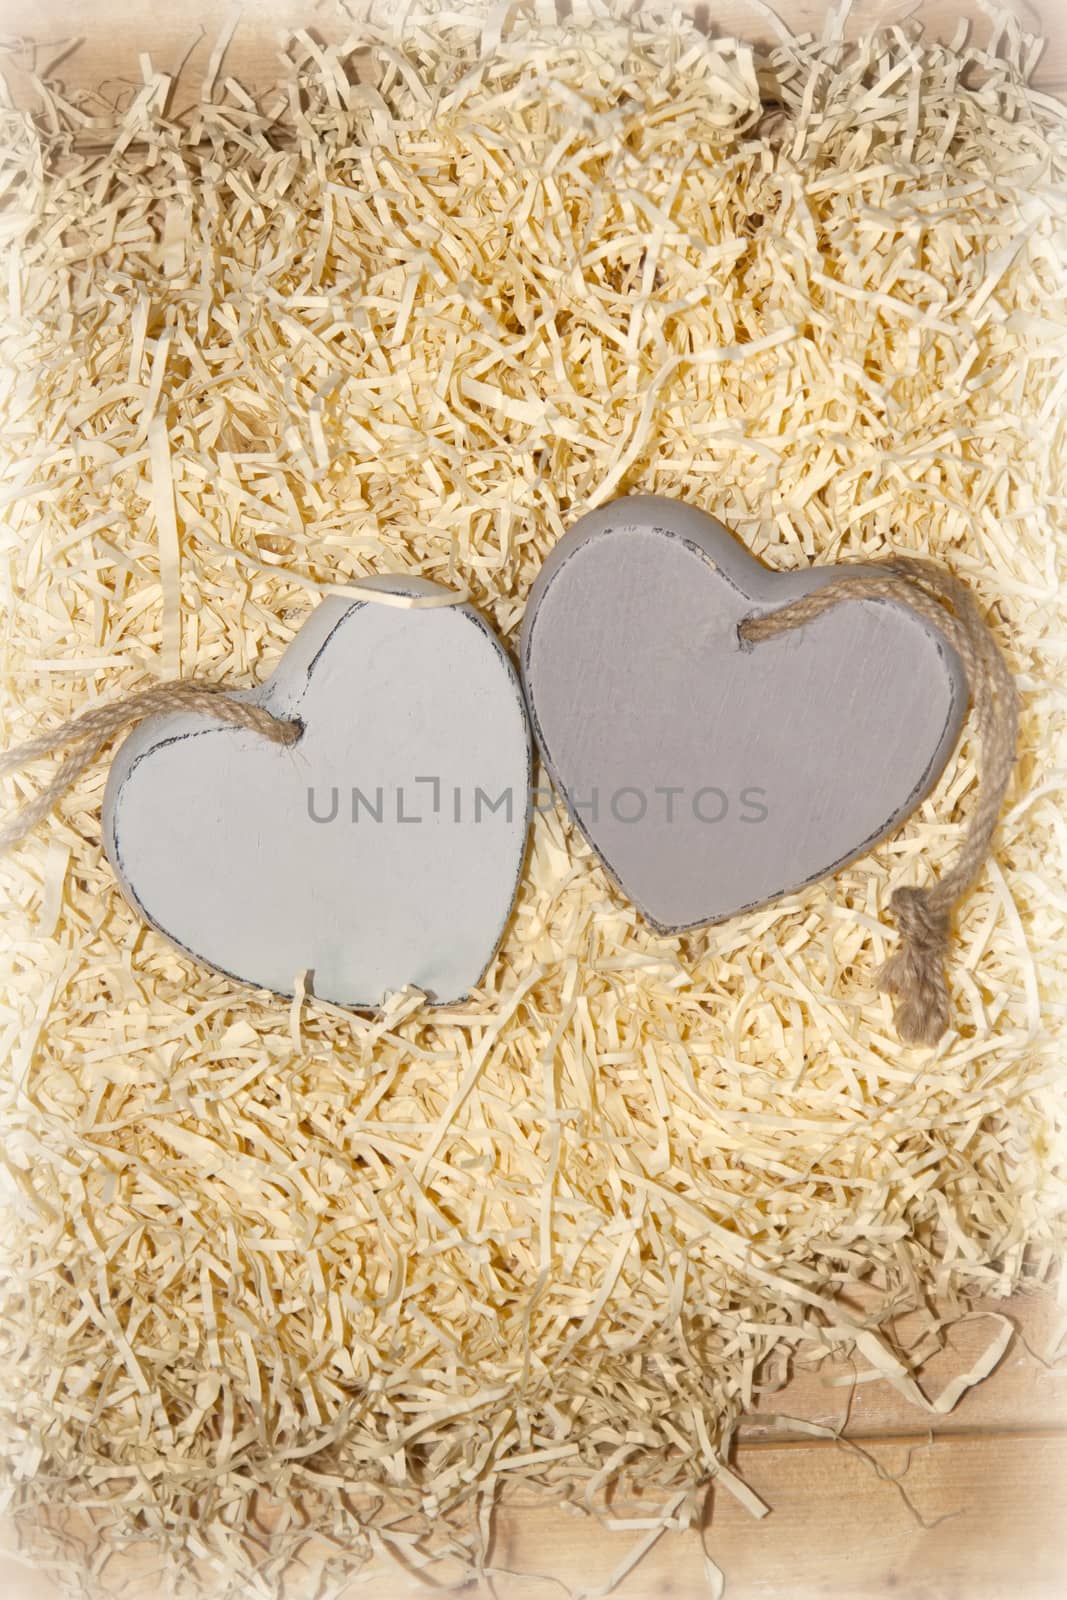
[[211, 836], [638, 683]]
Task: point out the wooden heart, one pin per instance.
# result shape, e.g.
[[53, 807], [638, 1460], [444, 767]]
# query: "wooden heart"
[[382, 849], [712, 775]]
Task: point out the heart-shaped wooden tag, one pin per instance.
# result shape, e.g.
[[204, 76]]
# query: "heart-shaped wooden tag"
[[382, 849], [712, 775]]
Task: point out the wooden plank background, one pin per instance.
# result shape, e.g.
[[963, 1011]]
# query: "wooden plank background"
[[114, 33], [973, 1508]]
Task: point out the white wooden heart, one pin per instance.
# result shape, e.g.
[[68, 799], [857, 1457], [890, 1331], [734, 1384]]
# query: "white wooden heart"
[[382, 849], [711, 775]]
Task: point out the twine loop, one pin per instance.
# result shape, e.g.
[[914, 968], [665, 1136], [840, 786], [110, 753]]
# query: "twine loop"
[[93, 729], [915, 973]]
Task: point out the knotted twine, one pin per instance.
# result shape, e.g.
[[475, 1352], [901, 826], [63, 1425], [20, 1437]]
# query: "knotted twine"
[[915, 973]]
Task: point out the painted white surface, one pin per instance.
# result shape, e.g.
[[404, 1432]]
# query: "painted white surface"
[[212, 836]]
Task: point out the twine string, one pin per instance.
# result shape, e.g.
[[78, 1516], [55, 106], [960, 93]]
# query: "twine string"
[[89, 732], [915, 973], [92, 730]]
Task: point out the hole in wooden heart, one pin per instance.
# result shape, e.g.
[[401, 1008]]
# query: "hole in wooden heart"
[[744, 643]]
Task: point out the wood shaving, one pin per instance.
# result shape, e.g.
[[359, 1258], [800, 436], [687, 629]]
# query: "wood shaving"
[[450, 285]]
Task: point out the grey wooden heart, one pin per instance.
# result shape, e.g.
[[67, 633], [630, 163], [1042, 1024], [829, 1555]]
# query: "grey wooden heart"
[[383, 849], [712, 775]]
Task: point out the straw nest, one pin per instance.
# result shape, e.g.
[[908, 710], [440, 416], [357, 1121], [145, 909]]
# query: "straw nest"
[[418, 307]]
